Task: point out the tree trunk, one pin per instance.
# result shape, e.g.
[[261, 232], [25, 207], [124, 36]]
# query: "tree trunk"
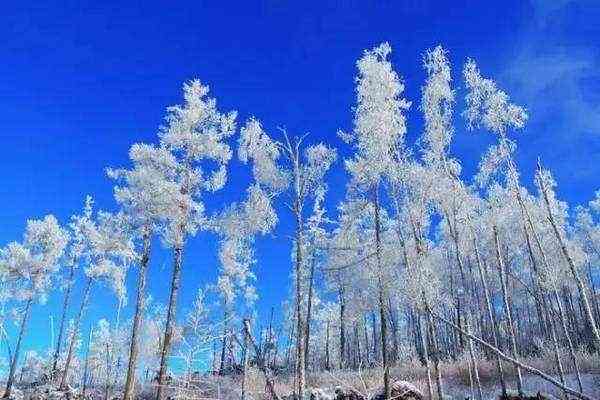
[[84, 301], [593, 289], [342, 328], [394, 323], [166, 345], [245, 366], [224, 341], [542, 303], [270, 339], [309, 310], [490, 311], [382, 297], [262, 366], [435, 354], [107, 377], [327, 365], [62, 320], [513, 342], [85, 367], [474, 365], [300, 361], [563, 322], [424, 343], [140, 308], [366, 332], [289, 346], [561, 314], [13, 364], [559, 366], [572, 266]]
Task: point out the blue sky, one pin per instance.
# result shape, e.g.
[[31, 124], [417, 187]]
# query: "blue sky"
[[81, 81]]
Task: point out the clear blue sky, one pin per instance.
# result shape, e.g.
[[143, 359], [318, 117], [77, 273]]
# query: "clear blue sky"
[[81, 81]]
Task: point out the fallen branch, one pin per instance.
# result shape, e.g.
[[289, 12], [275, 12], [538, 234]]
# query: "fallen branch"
[[261, 362], [525, 367]]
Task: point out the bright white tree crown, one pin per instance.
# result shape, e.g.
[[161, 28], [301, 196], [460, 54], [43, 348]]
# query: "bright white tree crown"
[[196, 134]]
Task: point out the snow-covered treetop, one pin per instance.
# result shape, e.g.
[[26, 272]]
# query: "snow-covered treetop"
[[379, 122], [197, 129], [595, 204], [148, 191], [103, 244], [30, 264], [46, 241], [264, 153], [586, 231], [195, 134], [274, 173], [489, 106], [319, 159], [436, 104]]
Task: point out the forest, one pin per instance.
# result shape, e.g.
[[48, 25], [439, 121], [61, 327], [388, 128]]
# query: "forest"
[[423, 283]]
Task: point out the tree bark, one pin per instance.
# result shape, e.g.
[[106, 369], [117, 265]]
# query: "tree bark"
[[224, 341], [435, 353], [261, 363], [309, 310], [245, 366], [502, 272], [563, 322], [424, 343], [382, 297], [84, 301], [13, 364], [490, 311], [554, 289], [62, 320], [300, 361], [85, 367], [342, 328], [559, 366], [140, 308], [166, 345], [474, 365], [327, 365]]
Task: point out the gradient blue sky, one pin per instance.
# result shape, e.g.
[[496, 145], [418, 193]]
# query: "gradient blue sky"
[[81, 81]]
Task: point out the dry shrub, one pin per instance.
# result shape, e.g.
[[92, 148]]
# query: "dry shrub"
[[361, 381], [488, 374], [411, 370], [255, 383], [589, 363]]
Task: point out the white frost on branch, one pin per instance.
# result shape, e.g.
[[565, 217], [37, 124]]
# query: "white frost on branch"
[[29, 265], [379, 122], [196, 135]]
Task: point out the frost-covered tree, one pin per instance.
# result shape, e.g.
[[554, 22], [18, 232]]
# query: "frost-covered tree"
[[575, 258], [104, 248], [30, 266], [195, 134], [197, 334], [490, 107], [378, 135], [237, 226], [148, 194], [277, 164]]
